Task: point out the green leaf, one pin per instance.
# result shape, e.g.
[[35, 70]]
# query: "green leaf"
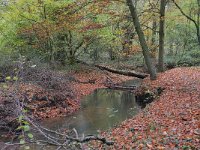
[[22, 141], [25, 122], [8, 78], [24, 110], [5, 86], [18, 128], [20, 118], [30, 135], [26, 128], [185, 147], [15, 78]]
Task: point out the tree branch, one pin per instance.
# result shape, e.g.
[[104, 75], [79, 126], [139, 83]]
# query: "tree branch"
[[184, 14]]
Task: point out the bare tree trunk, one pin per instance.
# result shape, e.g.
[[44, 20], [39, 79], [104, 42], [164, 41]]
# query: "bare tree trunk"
[[153, 42], [145, 49], [154, 27], [198, 22], [161, 36]]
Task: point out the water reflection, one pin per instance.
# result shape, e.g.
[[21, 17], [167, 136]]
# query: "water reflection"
[[101, 110]]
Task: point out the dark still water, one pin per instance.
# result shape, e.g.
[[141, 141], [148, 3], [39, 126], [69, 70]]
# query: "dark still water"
[[101, 110]]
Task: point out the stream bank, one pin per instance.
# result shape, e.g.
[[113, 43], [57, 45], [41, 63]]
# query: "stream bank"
[[49, 94], [172, 121], [59, 94]]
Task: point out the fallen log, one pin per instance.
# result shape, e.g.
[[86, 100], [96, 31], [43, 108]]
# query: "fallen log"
[[119, 87], [123, 72]]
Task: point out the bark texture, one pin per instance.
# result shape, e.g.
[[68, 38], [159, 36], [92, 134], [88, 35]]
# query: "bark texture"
[[161, 36], [145, 49]]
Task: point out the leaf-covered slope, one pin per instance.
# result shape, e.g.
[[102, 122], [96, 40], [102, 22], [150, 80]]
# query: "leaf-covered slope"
[[172, 121]]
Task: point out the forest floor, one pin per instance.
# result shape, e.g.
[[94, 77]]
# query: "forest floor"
[[172, 121]]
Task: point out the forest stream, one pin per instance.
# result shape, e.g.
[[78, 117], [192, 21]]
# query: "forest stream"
[[99, 74], [100, 111]]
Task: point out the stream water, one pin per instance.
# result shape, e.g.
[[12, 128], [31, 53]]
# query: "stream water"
[[100, 110]]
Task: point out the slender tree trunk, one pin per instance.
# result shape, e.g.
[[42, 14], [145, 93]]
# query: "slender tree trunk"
[[198, 34], [153, 42], [145, 49], [198, 22], [161, 36], [154, 26]]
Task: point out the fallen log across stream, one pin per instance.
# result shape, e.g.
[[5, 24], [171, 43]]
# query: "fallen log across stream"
[[121, 72], [120, 87]]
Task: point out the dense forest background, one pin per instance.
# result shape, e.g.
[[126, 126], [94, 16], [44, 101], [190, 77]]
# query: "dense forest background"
[[57, 33]]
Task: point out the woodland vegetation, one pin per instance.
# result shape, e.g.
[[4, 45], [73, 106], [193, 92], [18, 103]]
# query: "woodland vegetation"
[[59, 32], [53, 52]]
